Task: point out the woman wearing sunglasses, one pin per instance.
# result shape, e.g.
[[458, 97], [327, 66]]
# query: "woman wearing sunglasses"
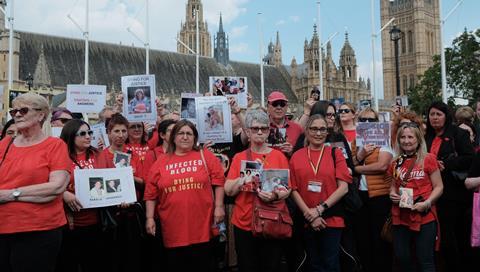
[[319, 181], [34, 172], [255, 253], [60, 116], [82, 240], [372, 163], [347, 120]]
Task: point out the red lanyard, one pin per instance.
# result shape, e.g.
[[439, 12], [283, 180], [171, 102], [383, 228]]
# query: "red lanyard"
[[316, 166]]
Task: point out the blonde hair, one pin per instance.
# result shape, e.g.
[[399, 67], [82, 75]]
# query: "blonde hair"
[[309, 123], [36, 101], [422, 146], [464, 114], [367, 110]]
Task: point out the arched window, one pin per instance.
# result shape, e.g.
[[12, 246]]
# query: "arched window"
[[410, 41], [404, 45], [412, 81], [405, 84], [349, 72]]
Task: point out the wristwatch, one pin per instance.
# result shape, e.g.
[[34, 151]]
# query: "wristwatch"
[[16, 194], [324, 205]]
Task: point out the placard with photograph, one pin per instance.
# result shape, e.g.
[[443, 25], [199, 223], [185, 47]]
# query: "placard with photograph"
[[214, 121], [377, 133], [96, 188], [86, 98], [277, 137], [234, 86], [139, 98], [121, 159], [401, 101], [250, 172], [99, 133], [188, 110], [274, 180]]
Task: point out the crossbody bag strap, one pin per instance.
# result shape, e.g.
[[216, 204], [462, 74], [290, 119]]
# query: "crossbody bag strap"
[[6, 151], [404, 181]]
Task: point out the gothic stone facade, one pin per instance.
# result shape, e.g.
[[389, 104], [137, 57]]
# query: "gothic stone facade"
[[188, 31]]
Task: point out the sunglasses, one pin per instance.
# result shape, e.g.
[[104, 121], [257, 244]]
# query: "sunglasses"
[[63, 120], [277, 103], [331, 114], [136, 126], [315, 130], [344, 111], [370, 120], [262, 129], [83, 133], [409, 124], [22, 111]]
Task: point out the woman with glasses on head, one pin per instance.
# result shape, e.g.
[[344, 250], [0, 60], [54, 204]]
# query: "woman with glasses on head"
[[34, 172], [415, 178], [402, 118], [60, 116], [185, 189], [82, 240], [372, 163], [255, 253], [319, 181], [347, 120]]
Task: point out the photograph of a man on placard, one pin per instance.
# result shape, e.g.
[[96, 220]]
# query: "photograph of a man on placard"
[[113, 186], [121, 159], [139, 99]]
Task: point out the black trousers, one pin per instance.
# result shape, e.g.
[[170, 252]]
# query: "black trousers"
[[257, 254], [30, 251], [197, 257]]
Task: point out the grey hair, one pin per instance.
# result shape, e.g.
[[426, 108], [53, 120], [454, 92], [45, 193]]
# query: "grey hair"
[[101, 116], [36, 101], [258, 116]]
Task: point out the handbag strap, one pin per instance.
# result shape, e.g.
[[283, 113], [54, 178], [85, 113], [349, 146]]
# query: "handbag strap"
[[6, 151], [403, 181], [205, 165]]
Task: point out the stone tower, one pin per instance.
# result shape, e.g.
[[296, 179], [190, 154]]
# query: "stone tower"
[[4, 49], [220, 51], [188, 31], [310, 57], [419, 21], [348, 62], [274, 55]]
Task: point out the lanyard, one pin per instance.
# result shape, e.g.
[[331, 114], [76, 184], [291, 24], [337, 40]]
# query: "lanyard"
[[315, 167]]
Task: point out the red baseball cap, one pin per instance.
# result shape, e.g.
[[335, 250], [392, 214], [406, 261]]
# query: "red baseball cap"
[[276, 96]]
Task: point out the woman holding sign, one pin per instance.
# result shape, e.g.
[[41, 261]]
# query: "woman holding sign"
[[34, 172], [255, 253], [186, 189], [417, 180], [82, 240], [319, 181]]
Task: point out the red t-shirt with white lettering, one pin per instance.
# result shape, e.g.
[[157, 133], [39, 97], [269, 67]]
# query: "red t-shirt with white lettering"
[[183, 191], [243, 209], [302, 174], [85, 217], [31, 165], [421, 184], [140, 152]]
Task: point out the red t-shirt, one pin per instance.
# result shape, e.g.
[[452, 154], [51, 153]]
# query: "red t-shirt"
[[108, 156], [140, 152], [421, 184], [350, 135], [85, 217], [152, 143], [437, 142], [31, 165], [302, 174], [150, 159], [243, 209], [183, 191]]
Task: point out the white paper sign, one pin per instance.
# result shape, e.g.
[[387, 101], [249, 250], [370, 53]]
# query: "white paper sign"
[[214, 121], [236, 87], [104, 187], [86, 98], [188, 110], [99, 133], [377, 133], [139, 98]]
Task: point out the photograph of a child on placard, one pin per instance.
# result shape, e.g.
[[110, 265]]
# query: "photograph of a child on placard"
[[235, 87]]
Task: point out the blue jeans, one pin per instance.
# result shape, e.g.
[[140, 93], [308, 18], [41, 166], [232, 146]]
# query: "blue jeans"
[[323, 249], [424, 244]]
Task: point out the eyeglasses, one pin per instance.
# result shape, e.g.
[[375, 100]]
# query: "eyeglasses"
[[315, 130], [280, 103], [257, 129], [185, 133], [344, 111], [22, 111], [83, 133], [370, 120], [63, 120], [136, 126], [409, 124], [330, 114]]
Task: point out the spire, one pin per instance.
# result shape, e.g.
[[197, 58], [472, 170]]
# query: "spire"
[[315, 30], [220, 28], [329, 49], [346, 36], [41, 77], [277, 42]]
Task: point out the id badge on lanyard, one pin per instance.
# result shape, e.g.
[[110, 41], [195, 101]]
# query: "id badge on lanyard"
[[315, 186]]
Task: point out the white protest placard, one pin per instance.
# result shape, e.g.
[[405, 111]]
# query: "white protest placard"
[[377, 133], [187, 109], [99, 133], [139, 98], [104, 187], [214, 121], [234, 86], [86, 98]]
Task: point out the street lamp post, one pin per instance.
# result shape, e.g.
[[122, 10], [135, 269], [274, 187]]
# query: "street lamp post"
[[29, 81], [395, 36]]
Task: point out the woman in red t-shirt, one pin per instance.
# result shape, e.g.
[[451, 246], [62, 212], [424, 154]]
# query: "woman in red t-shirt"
[[34, 172], [255, 253], [187, 183], [416, 186], [347, 120], [136, 144], [318, 184], [82, 241]]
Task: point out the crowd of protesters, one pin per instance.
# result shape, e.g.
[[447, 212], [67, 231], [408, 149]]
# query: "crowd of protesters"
[[193, 215]]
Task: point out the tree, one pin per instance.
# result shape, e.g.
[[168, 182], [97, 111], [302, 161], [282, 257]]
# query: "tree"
[[463, 74]]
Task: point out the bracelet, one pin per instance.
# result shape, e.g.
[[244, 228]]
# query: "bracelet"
[[318, 211]]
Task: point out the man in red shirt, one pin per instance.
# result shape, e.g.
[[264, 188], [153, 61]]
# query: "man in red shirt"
[[283, 132]]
